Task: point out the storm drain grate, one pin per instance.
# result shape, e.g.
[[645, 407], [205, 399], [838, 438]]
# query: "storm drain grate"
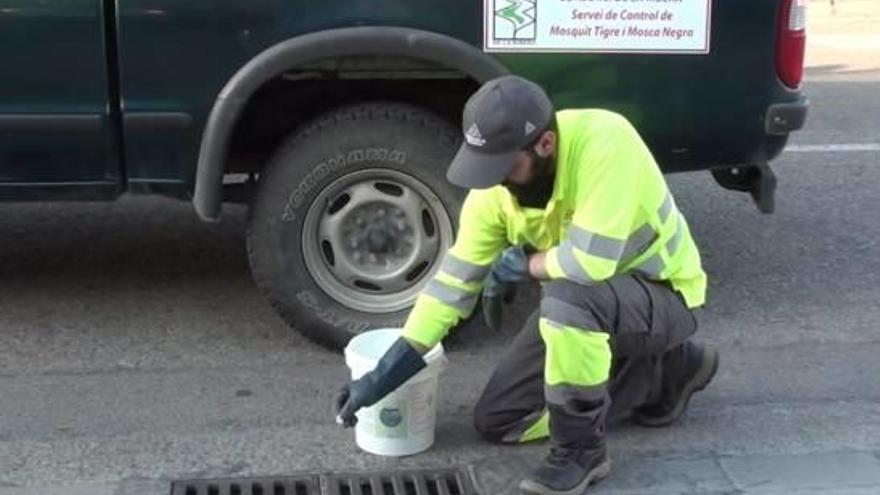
[[414, 482]]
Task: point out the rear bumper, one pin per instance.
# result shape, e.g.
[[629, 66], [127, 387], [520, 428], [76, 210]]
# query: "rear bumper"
[[783, 118]]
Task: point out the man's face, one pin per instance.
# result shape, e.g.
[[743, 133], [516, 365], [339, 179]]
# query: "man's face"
[[527, 166], [524, 169], [532, 177]]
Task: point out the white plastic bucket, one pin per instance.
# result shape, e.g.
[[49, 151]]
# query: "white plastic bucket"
[[403, 422]]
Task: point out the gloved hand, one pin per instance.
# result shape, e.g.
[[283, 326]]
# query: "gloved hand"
[[399, 364], [512, 266], [500, 285]]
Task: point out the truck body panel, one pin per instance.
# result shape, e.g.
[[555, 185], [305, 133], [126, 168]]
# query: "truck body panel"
[[56, 127], [695, 111]]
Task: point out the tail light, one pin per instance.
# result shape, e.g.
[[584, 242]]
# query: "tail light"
[[791, 41]]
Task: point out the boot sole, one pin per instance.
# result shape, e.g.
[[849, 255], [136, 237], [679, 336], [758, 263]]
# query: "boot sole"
[[600, 472], [700, 381]]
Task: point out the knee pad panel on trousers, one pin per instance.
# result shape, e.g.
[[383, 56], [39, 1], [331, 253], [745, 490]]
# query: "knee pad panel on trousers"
[[492, 424], [590, 307], [653, 319], [484, 423]]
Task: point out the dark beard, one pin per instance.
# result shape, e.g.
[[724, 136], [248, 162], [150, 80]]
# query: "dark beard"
[[536, 193]]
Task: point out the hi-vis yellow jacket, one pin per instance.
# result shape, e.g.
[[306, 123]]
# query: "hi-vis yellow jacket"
[[610, 213]]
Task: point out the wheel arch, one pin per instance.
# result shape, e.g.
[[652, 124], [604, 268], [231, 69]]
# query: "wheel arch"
[[373, 40]]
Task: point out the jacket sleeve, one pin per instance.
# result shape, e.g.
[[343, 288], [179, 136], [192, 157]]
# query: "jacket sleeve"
[[608, 199], [453, 291]]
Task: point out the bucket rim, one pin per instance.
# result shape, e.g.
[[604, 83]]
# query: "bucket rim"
[[433, 355]]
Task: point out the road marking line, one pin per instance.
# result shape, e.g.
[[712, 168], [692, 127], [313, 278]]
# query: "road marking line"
[[807, 148]]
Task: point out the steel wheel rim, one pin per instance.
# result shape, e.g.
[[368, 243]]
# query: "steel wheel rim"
[[372, 238]]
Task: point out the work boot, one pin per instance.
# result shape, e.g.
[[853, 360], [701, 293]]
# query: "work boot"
[[567, 472], [697, 365]]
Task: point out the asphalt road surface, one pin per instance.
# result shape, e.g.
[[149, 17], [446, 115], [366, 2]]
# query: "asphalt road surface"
[[135, 349]]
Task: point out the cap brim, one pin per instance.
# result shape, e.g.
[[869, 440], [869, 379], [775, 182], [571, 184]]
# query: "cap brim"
[[474, 170]]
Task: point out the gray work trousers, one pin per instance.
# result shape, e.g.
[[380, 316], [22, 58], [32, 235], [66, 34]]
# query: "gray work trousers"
[[649, 326]]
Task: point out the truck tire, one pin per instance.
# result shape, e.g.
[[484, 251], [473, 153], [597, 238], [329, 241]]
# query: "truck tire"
[[351, 217]]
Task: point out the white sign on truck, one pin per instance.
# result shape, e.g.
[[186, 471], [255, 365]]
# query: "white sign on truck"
[[637, 26]]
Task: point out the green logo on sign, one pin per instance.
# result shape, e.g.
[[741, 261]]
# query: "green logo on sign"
[[515, 20]]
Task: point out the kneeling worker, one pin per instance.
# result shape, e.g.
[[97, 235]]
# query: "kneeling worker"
[[573, 199]]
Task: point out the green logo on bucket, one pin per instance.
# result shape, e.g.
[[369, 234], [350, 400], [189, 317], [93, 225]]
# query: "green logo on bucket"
[[391, 417]]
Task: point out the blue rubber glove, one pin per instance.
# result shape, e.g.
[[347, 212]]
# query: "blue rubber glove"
[[512, 266], [400, 363], [500, 285]]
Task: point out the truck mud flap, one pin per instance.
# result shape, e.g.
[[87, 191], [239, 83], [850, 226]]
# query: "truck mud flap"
[[757, 180]]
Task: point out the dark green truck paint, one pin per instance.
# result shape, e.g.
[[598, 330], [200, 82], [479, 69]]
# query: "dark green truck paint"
[[173, 57]]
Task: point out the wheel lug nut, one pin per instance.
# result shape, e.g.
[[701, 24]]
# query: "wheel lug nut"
[[373, 258], [381, 212]]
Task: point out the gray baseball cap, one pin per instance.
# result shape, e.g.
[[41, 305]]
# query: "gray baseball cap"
[[499, 120]]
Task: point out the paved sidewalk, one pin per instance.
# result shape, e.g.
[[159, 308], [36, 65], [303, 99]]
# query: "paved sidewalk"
[[843, 42]]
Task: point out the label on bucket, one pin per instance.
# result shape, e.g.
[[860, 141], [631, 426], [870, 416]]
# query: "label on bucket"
[[393, 421], [405, 413]]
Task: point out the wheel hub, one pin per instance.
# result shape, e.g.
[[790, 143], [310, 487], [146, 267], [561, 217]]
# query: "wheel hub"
[[378, 234]]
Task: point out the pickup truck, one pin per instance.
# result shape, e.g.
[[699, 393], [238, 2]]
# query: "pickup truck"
[[335, 121]]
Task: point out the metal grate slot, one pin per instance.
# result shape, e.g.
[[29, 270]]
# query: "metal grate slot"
[[359, 486], [453, 483], [421, 485], [448, 484], [434, 487]]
